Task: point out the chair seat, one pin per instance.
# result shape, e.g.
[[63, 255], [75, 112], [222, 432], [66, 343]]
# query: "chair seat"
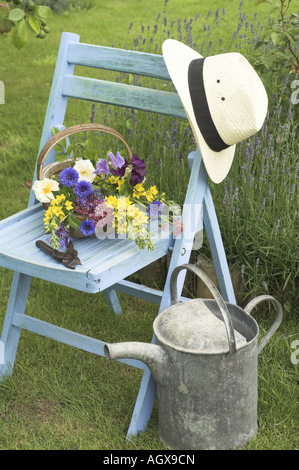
[[104, 262]]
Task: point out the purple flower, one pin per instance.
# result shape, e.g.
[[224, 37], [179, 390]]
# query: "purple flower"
[[155, 209], [63, 236], [87, 228], [119, 164], [83, 189], [102, 168], [138, 170], [116, 160], [120, 171], [69, 177]]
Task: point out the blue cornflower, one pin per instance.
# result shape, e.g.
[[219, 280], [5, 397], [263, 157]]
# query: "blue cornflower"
[[155, 209], [69, 177], [83, 189], [87, 228]]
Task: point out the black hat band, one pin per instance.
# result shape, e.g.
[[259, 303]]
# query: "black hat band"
[[201, 108]]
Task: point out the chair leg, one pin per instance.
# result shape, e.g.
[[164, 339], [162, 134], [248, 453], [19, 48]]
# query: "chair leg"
[[143, 406], [112, 299], [10, 333]]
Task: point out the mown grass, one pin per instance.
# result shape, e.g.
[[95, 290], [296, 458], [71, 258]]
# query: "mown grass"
[[63, 398]]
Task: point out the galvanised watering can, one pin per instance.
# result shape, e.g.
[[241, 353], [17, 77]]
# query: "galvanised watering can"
[[205, 365]]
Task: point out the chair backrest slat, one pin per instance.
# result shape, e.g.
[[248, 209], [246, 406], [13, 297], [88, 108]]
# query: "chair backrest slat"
[[109, 58], [121, 94], [66, 84]]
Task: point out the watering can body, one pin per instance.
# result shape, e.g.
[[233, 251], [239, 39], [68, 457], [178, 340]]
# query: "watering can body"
[[204, 361]]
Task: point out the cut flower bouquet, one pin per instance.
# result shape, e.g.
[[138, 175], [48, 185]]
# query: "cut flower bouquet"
[[109, 197]]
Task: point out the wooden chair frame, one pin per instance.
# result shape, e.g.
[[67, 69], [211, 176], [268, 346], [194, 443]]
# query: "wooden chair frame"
[[65, 84]]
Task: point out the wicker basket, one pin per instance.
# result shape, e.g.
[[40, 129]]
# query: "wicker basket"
[[56, 167]]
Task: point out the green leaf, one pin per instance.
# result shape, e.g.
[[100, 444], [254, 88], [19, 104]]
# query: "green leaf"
[[34, 23], [267, 61], [42, 12], [277, 38], [20, 34], [89, 146], [125, 189], [4, 10], [60, 156], [54, 130], [16, 14], [287, 35], [5, 25], [258, 2], [260, 43], [281, 55], [74, 222]]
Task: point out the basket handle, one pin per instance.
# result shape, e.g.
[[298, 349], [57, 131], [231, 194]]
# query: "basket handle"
[[75, 130], [216, 294]]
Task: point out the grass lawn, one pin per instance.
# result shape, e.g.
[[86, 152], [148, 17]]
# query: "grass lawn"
[[59, 397]]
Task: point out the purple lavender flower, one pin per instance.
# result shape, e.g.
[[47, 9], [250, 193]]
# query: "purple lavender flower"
[[87, 228], [69, 177], [138, 171], [83, 189], [102, 168]]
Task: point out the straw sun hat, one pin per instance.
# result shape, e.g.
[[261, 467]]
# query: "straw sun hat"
[[223, 97]]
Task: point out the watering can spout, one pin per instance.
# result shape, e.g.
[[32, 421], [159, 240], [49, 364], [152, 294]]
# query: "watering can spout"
[[152, 355]]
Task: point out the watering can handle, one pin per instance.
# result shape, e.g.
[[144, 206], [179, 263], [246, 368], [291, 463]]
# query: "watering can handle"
[[216, 294], [279, 313]]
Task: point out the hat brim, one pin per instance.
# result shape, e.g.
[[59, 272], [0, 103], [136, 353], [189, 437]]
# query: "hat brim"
[[177, 58]]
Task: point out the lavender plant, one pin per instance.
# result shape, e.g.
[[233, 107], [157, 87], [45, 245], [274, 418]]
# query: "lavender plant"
[[256, 204]]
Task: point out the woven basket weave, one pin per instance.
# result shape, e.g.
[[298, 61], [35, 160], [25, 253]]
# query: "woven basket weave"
[[56, 167]]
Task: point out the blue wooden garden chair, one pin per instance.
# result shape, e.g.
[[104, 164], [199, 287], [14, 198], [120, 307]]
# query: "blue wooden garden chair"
[[102, 269]]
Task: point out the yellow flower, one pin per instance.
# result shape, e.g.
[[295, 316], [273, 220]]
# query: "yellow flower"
[[142, 218], [138, 216], [112, 201], [151, 193], [122, 225], [123, 203], [58, 199], [48, 214], [132, 211], [58, 211], [138, 190], [120, 183], [69, 205], [113, 179]]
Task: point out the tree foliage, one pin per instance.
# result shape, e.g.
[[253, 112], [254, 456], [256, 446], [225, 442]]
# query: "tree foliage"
[[20, 17]]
